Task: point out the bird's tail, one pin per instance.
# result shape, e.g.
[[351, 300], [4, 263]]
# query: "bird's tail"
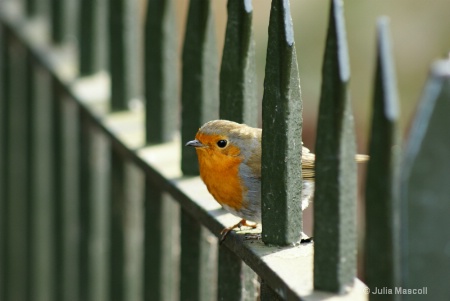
[[361, 158]]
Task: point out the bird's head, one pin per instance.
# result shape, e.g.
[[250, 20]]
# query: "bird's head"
[[221, 139]]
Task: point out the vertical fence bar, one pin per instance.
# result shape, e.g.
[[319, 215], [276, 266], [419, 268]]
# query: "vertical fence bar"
[[382, 188], [335, 193], [60, 17], [84, 278], [133, 225], [425, 199], [171, 245], [58, 234], [123, 52], [42, 184], [153, 236], [199, 95], [27, 120], [230, 282], [3, 178], [92, 41], [116, 263], [31, 7], [161, 71], [17, 166], [161, 245], [282, 129], [127, 192], [237, 74], [94, 212], [35, 8], [70, 198], [190, 264], [100, 251], [236, 280], [197, 264]]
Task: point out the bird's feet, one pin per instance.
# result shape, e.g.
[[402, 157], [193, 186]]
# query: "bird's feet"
[[242, 223]]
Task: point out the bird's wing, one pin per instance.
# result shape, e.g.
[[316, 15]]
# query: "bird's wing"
[[361, 158], [254, 158], [254, 163], [308, 159], [308, 162]]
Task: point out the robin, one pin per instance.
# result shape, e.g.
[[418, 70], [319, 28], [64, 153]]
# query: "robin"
[[229, 157]]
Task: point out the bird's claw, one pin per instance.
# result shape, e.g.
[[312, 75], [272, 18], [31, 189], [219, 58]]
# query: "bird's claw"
[[223, 235], [239, 225]]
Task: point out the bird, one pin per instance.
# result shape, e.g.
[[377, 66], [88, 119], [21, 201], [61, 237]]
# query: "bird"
[[229, 158]]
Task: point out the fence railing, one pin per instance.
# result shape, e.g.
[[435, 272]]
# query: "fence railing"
[[100, 201]]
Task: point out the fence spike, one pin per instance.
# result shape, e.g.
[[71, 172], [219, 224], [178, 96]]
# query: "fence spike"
[[425, 190], [123, 51], [382, 183], [237, 74], [281, 136], [161, 71], [92, 41], [200, 91], [62, 19], [335, 193]]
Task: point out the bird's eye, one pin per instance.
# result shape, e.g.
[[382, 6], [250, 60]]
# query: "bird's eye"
[[222, 143]]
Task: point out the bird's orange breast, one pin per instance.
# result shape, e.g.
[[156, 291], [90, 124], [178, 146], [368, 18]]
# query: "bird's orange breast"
[[221, 175]]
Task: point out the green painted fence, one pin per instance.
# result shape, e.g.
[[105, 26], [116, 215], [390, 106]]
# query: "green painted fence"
[[99, 200]]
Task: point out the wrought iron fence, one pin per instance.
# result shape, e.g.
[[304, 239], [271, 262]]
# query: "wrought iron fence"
[[100, 201]]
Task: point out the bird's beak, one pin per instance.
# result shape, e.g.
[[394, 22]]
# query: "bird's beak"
[[194, 143]]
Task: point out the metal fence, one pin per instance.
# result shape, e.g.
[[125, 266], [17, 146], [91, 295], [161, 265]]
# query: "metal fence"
[[100, 201]]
